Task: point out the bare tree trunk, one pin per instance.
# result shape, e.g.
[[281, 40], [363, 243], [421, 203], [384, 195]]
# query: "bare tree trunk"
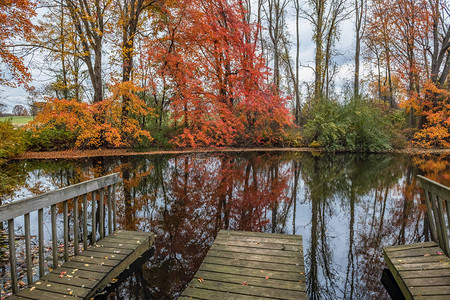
[[360, 13]]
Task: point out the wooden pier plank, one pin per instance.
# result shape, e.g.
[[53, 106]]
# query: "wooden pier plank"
[[85, 274], [421, 270], [251, 265]]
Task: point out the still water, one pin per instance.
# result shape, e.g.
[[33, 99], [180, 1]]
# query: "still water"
[[346, 207]]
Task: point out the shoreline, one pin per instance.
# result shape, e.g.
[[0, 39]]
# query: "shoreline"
[[74, 154]]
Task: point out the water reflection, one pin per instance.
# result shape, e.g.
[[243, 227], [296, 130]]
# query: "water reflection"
[[347, 207]]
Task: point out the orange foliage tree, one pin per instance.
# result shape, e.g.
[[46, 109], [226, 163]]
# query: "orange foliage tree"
[[206, 54], [15, 21], [99, 124], [435, 108]]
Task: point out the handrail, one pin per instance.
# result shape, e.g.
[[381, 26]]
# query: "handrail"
[[24, 206], [437, 198], [96, 187]]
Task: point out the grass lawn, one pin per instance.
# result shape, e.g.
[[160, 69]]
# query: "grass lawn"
[[18, 120]]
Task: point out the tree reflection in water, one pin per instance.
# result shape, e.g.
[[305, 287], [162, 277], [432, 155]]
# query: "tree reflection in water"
[[346, 206]]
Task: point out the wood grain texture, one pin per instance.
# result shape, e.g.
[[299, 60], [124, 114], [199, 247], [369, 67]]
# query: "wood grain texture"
[[21, 207], [421, 270], [251, 265], [85, 274]]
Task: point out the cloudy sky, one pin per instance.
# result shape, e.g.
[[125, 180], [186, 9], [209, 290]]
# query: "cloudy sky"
[[345, 47]]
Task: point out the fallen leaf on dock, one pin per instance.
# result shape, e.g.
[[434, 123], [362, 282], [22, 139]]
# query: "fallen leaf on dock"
[[439, 253], [200, 279], [244, 283], [32, 288], [267, 277]]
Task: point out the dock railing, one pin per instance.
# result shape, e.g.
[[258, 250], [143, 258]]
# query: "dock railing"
[[76, 193], [437, 197]]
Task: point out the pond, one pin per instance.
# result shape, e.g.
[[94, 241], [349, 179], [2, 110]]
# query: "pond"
[[346, 207]]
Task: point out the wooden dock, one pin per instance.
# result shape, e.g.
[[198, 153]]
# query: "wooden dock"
[[90, 271], [422, 270], [251, 265], [107, 252]]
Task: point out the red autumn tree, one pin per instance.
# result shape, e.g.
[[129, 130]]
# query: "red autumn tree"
[[206, 53], [15, 22]]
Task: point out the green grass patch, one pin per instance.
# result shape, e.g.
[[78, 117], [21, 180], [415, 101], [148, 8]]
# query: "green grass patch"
[[17, 120]]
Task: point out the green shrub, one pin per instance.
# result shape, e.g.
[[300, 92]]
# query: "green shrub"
[[11, 141], [50, 138], [355, 126]]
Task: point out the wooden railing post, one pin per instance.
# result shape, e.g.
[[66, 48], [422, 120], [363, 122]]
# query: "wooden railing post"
[[66, 230], [12, 255], [41, 241], [102, 214], [85, 216], [75, 226], [28, 249], [37, 203], [54, 237], [94, 221], [109, 210], [437, 196], [114, 206]]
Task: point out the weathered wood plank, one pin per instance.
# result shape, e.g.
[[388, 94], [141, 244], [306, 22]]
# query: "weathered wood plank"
[[260, 234], [247, 264], [21, 207], [253, 281], [270, 252], [59, 288], [36, 294], [409, 246], [252, 257], [259, 245], [255, 272], [244, 288], [429, 281], [419, 271], [71, 280], [84, 275], [257, 239], [416, 252], [193, 293]]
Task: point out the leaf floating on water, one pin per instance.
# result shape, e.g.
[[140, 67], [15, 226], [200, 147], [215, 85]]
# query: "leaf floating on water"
[[200, 279]]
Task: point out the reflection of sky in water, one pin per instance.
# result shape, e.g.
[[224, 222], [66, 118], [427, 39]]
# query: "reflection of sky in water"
[[186, 223]]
